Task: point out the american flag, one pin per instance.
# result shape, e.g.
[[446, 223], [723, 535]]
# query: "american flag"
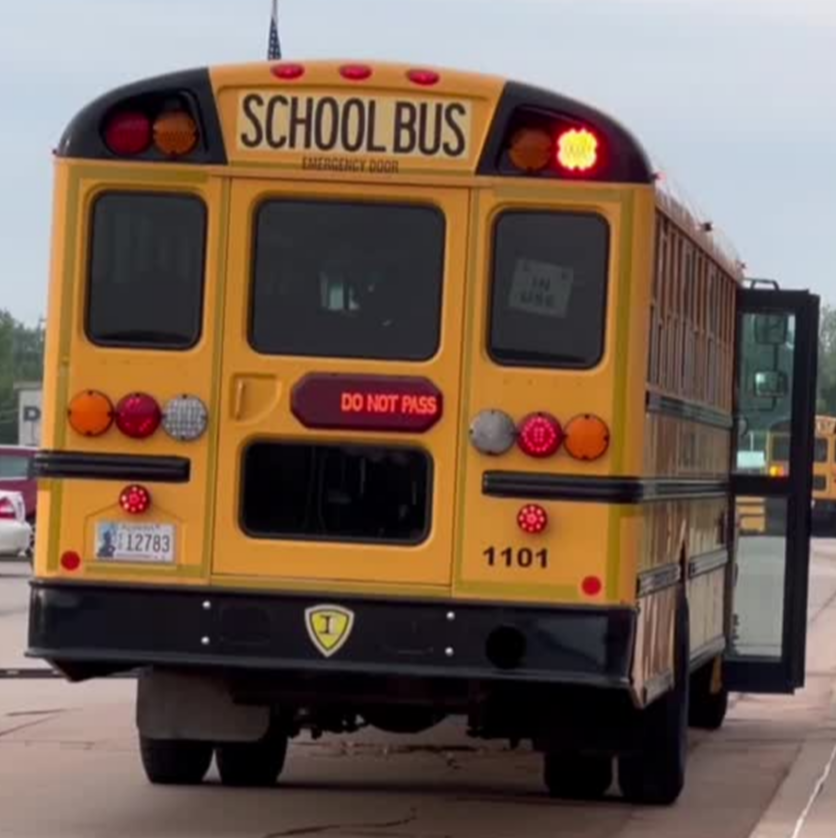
[[274, 47]]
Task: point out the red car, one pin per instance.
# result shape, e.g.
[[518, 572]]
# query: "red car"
[[14, 476]]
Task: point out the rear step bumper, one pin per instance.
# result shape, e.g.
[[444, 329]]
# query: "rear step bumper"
[[90, 630]]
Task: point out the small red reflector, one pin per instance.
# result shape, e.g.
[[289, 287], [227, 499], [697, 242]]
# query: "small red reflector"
[[424, 78], [578, 150], [532, 519], [71, 561], [288, 72], [356, 72], [367, 403], [540, 435], [592, 586], [128, 134], [138, 416]]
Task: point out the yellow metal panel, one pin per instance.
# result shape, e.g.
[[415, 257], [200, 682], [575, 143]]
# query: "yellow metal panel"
[[255, 405], [74, 364]]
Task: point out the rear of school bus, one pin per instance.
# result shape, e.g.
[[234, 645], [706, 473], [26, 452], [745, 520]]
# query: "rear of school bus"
[[345, 407]]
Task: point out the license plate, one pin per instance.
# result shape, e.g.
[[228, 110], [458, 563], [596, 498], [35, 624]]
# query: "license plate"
[[149, 543]]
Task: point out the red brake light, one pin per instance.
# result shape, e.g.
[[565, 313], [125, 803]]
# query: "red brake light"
[[540, 435], [288, 72], [138, 416], [7, 510], [128, 134], [532, 519], [424, 78], [135, 500], [578, 150], [356, 72]]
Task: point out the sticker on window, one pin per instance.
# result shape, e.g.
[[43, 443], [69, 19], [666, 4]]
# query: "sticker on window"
[[541, 288]]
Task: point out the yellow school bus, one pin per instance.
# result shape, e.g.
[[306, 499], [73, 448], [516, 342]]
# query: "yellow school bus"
[[822, 503], [380, 394], [824, 474]]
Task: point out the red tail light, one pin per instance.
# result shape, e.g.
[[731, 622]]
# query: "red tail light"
[[540, 435], [7, 510], [533, 519], [128, 134], [138, 416], [135, 500]]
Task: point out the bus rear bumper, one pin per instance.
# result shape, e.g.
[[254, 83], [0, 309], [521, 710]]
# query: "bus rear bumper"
[[89, 631]]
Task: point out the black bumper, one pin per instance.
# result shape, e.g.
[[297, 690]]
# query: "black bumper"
[[86, 630]]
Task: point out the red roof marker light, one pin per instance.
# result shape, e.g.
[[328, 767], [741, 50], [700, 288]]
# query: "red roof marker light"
[[424, 78], [288, 72], [356, 72]]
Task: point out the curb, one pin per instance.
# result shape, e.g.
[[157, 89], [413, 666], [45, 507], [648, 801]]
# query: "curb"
[[799, 791]]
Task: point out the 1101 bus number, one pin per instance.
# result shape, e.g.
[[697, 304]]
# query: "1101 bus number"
[[521, 557]]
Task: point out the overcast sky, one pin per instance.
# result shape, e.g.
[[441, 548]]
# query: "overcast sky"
[[736, 98]]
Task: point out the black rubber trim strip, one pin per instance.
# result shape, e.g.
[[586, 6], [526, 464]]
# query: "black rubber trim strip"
[[708, 563], [688, 412], [614, 490], [59, 465], [658, 579]]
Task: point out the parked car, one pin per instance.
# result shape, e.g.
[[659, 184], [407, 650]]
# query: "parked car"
[[15, 533], [14, 477]]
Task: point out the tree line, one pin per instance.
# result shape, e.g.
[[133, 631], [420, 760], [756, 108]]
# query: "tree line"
[[22, 360]]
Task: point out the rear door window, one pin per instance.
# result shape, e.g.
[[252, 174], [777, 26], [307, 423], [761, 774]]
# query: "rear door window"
[[549, 293], [147, 271], [348, 280]]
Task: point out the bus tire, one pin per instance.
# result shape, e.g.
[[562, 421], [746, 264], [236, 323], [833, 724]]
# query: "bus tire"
[[252, 764], [571, 776], [707, 707], [656, 775], [175, 763]]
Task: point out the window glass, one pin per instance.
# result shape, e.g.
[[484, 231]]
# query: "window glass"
[[147, 271], [13, 468], [348, 280], [549, 294], [821, 451]]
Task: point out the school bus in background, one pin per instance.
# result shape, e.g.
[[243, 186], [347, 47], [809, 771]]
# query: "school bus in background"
[[381, 394], [822, 503]]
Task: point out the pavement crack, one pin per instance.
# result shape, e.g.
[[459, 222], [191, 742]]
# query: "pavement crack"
[[352, 827]]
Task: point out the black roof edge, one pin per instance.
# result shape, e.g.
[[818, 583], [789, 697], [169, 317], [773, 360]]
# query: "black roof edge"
[[628, 163], [82, 139]]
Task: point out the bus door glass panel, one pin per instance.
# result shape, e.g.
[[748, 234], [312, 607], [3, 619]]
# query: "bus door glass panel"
[[772, 486]]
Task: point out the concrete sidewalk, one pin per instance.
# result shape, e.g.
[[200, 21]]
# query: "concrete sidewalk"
[[820, 822]]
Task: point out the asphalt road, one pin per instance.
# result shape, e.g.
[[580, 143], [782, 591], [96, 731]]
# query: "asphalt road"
[[69, 768]]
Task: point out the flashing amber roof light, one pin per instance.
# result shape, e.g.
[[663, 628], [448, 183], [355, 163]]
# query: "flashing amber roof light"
[[578, 150], [175, 134], [531, 149]]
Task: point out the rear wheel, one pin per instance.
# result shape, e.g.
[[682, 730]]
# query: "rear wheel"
[[253, 764], [175, 763], [656, 775], [709, 698], [576, 777]]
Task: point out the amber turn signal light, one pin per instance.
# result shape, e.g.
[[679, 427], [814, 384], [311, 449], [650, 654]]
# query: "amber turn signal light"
[[588, 438], [175, 134], [90, 413], [531, 150]]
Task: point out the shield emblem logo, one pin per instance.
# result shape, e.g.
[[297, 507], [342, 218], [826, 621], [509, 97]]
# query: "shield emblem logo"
[[329, 627]]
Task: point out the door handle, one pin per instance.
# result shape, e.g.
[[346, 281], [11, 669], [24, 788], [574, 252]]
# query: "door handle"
[[238, 399]]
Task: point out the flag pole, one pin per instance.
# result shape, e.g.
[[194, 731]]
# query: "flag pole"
[[274, 45]]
